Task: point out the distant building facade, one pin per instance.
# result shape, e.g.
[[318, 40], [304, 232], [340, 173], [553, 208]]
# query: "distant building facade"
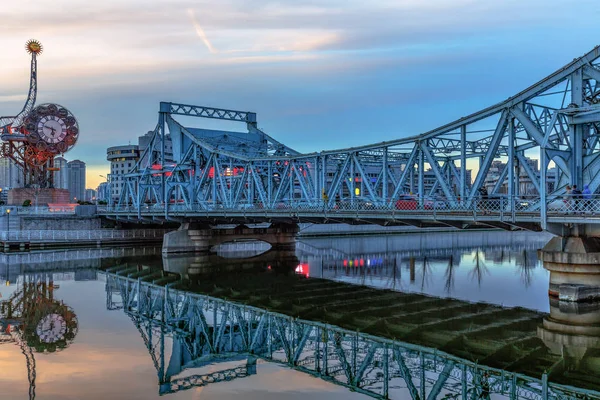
[[122, 161], [61, 177], [11, 175], [525, 186], [144, 142], [76, 169], [90, 195], [103, 192]]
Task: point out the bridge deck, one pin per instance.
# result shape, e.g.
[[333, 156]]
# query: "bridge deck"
[[461, 218]]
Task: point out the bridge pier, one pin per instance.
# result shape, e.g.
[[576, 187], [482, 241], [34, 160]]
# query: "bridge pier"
[[572, 331], [198, 238], [573, 260], [189, 238]]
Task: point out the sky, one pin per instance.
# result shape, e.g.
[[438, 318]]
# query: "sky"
[[320, 74]]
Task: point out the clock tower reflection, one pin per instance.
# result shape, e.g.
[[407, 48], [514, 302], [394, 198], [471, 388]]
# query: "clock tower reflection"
[[34, 320]]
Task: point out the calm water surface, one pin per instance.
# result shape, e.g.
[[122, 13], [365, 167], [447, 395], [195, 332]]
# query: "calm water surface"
[[108, 359]]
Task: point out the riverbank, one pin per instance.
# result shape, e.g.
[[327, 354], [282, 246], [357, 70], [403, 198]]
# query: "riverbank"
[[47, 239]]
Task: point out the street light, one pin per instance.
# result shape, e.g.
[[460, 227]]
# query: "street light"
[[8, 220]]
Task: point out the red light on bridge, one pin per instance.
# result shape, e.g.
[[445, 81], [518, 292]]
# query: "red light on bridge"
[[302, 269]]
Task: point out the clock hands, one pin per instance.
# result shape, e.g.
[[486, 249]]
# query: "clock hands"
[[52, 129]]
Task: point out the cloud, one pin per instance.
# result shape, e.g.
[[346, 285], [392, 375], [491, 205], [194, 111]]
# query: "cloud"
[[200, 31], [12, 98], [313, 69]]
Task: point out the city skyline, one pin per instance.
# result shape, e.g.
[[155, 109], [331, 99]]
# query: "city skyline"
[[315, 72]]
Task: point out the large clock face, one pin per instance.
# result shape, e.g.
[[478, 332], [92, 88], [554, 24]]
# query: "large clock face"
[[52, 129], [51, 328]]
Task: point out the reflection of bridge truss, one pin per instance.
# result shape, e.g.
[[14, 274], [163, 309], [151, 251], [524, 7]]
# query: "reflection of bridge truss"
[[383, 269], [202, 328], [304, 249], [252, 177]]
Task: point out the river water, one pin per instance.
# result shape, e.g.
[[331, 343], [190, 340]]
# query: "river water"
[[83, 345]]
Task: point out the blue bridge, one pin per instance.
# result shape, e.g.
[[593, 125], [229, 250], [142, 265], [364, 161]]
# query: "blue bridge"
[[468, 172], [478, 171]]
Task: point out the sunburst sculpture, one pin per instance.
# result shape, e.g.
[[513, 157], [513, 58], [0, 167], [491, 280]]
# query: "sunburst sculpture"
[[33, 46]]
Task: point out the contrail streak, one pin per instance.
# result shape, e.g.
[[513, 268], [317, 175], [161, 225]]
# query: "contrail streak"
[[200, 31]]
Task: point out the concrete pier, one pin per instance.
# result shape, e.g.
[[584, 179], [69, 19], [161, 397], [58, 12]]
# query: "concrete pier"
[[572, 331], [574, 265], [195, 238]]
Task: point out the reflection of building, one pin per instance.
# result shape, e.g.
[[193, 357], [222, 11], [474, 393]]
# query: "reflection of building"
[[76, 180], [61, 177], [122, 160], [85, 275]]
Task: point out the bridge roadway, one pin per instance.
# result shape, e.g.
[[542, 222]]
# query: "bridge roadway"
[[382, 343], [477, 215]]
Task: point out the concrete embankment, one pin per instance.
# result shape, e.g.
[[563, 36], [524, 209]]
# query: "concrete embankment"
[[45, 239], [310, 230]]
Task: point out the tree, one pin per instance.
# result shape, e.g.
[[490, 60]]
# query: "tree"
[[27, 203]]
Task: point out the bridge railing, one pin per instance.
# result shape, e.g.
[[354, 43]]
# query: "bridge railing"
[[38, 210], [98, 234], [408, 205], [574, 204], [498, 208]]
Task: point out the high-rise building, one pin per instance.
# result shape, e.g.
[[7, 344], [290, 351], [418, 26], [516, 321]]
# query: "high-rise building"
[[10, 174], [76, 170], [90, 195], [61, 177], [122, 160], [103, 192]]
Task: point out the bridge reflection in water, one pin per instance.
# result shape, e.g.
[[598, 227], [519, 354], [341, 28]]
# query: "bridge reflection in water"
[[446, 349]]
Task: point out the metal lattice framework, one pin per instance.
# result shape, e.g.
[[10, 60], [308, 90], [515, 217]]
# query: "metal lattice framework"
[[31, 152], [555, 121], [204, 329]]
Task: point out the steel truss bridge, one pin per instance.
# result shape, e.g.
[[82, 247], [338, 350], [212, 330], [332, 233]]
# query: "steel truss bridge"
[[226, 176], [203, 329]]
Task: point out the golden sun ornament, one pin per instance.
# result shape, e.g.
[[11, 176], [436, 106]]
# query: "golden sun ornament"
[[33, 46]]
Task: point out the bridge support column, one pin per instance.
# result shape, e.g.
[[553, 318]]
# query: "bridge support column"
[[189, 238], [573, 260], [283, 236]]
